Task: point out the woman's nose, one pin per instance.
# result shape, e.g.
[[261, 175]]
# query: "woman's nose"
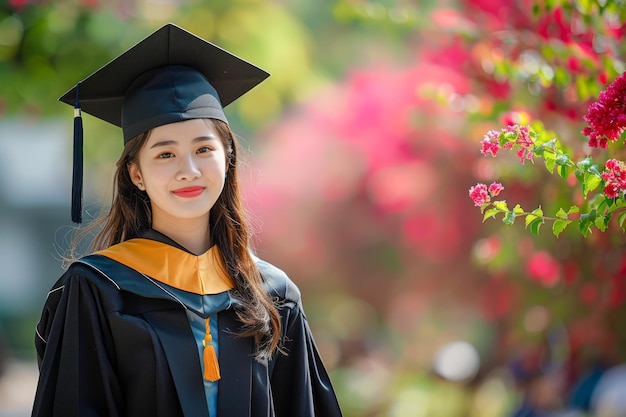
[[188, 168]]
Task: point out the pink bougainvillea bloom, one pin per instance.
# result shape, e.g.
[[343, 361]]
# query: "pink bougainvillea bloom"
[[522, 140], [612, 164], [490, 143], [523, 136], [614, 176], [607, 116], [495, 188], [611, 190], [479, 194]]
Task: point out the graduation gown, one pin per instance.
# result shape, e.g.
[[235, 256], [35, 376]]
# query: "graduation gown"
[[115, 342]]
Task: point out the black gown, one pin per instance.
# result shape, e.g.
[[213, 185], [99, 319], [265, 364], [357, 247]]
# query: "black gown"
[[112, 343]]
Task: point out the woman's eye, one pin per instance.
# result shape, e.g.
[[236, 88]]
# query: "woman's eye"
[[165, 155], [204, 149]]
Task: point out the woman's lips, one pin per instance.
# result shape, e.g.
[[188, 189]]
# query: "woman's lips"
[[189, 192]]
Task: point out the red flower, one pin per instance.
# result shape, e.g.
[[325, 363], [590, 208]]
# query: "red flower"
[[479, 194], [615, 177], [495, 188], [607, 116], [490, 143], [522, 139]]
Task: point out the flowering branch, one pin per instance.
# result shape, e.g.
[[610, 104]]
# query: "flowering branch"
[[607, 122]]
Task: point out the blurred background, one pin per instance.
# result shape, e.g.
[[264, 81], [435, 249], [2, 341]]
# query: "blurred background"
[[360, 150]]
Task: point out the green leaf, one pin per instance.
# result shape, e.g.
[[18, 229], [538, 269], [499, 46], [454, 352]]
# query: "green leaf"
[[552, 145], [562, 159], [509, 218], [580, 174], [590, 183], [535, 225], [529, 219], [594, 170], [518, 209], [490, 213], [586, 222], [602, 204], [602, 222], [550, 164], [502, 139], [573, 209], [563, 171], [559, 225], [501, 205], [620, 220], [536, 214], [561, 214], [585, 163]]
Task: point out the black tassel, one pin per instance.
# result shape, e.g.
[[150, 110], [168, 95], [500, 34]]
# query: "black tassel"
[[77, 173]]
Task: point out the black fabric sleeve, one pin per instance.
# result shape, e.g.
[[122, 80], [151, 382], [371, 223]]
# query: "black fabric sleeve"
[[76, 374], [301, 386]]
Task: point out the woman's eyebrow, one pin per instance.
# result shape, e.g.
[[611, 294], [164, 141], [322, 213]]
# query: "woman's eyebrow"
[[163, 143], [173, 142]]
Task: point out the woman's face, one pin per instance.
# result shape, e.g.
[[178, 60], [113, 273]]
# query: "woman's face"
[[182, 167]]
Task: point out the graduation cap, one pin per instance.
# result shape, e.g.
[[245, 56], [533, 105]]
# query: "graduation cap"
[[170, 76]]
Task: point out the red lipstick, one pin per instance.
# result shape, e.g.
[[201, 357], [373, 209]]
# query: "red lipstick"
[[189, 192]]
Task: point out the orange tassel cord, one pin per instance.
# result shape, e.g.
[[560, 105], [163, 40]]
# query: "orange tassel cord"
[[211, 366]]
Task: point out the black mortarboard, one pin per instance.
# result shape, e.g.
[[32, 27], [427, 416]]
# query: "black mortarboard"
[[170, 76]]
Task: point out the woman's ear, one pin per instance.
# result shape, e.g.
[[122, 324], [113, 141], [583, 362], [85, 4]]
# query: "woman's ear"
[[135, 174]]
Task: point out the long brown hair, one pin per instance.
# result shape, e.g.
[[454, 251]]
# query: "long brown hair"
[[130, 213]]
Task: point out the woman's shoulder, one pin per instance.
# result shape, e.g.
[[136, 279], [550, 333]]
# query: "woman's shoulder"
[[277, 283], [83, 270], [77, 277]]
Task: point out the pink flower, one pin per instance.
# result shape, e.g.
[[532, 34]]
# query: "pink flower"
[[607, 116], [611, 190], [490, 143], [614, 176], [523, 137], [520, 139], [495, 188], [479, 194], [523, 155]]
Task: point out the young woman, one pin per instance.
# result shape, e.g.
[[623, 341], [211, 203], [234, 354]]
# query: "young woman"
[[172, 315]]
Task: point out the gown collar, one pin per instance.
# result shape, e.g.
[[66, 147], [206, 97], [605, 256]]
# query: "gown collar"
[[159, 257]]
